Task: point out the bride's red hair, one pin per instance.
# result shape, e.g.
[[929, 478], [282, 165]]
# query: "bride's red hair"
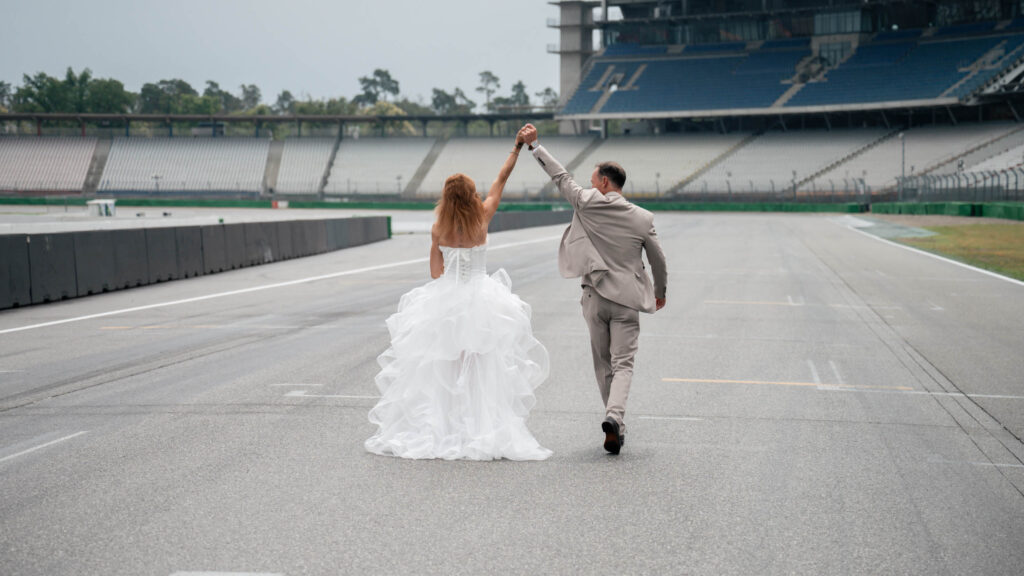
[[460, 211]]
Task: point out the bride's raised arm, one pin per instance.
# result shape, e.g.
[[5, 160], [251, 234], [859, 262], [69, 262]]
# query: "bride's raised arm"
[[494, 194]]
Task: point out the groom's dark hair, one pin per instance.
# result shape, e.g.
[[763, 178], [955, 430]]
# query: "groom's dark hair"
[[613, 172]]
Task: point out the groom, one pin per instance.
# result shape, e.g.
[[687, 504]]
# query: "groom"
[[603, 245]]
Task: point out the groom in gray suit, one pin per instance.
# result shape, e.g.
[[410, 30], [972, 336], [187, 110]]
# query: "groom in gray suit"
[[603, 246]]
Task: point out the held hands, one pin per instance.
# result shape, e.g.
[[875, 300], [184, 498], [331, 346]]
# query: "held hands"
[[527, 134]]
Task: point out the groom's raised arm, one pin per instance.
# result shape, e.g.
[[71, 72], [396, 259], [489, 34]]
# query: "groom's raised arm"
[[566, 185]]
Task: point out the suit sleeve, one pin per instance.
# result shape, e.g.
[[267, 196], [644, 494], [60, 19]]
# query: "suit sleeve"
[[566, 185], [658, 265]]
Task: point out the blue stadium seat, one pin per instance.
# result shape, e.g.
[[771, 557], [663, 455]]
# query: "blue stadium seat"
[[897, 65]]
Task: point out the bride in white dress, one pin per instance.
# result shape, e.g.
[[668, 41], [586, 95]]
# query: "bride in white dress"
[[458, 380]]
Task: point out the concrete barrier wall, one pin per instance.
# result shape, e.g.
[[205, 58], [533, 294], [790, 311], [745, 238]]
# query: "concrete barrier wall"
[[14, 272], [51, 260], [515, 220], [37, 268]]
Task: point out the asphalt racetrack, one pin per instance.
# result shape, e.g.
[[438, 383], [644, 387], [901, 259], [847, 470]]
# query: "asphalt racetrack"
[[812, 400]]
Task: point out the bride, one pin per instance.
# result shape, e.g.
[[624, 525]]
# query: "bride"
[[457, 381]]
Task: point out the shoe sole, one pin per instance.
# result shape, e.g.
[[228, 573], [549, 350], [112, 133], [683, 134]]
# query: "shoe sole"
[[611, 437]]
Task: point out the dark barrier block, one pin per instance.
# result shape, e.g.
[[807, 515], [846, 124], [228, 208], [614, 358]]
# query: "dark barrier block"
[[52, 264], [284, 240], [337, 233], [273, 251], [234, 245], [94, 262], [215, 255], [373, 229], [255, 243], [301, 242], [356, 231], [162, 254], [381, 229], [317, 236], [310, 236], [15, 287], [189, 248], [130, 263], [260, 243], [497, 223]]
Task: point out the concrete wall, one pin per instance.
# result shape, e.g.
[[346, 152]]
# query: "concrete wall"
[[514, 220], [36, 268]]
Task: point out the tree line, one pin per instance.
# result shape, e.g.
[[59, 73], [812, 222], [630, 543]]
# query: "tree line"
[[380, 95]]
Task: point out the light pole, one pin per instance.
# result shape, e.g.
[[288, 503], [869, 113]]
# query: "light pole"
[[903, 164]]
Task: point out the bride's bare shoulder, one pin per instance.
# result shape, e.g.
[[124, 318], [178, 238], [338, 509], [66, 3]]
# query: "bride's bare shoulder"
[[463, 241]]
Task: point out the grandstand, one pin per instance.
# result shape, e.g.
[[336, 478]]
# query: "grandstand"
[[656, 164], [859, 67], [303, 161], [44, 164], [232, 166], [376, 166], [777, 161], [792, 99]]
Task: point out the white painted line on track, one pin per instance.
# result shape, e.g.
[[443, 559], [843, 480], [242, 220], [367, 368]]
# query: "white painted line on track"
[[846, 388], [814, 372], [929, 393], [258, 288], [835, 370], [41, 446], [303, 394], [936, 256], [227, 574], [989, 464], [680, 418]]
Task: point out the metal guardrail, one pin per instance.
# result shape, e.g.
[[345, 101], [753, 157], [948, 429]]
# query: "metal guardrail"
[[974, 186]]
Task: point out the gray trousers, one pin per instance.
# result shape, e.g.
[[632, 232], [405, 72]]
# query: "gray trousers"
[[614, 331]]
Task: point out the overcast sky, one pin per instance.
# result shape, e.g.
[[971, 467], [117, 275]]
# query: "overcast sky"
[[313, 47]]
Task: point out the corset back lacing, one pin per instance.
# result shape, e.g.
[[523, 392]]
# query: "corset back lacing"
[[461, 264]]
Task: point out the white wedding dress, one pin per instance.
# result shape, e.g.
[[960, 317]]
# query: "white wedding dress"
[[458, 380]]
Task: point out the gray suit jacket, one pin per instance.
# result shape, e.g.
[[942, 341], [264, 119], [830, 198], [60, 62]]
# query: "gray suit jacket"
[[603, 243]]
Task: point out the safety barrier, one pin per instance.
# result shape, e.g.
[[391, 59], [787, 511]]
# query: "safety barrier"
[[1008, 210], [515, 220], [36, 268]]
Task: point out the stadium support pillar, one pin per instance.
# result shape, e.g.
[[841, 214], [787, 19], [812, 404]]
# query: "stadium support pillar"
[[39, 127], [82, 124], [1013, 111]]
